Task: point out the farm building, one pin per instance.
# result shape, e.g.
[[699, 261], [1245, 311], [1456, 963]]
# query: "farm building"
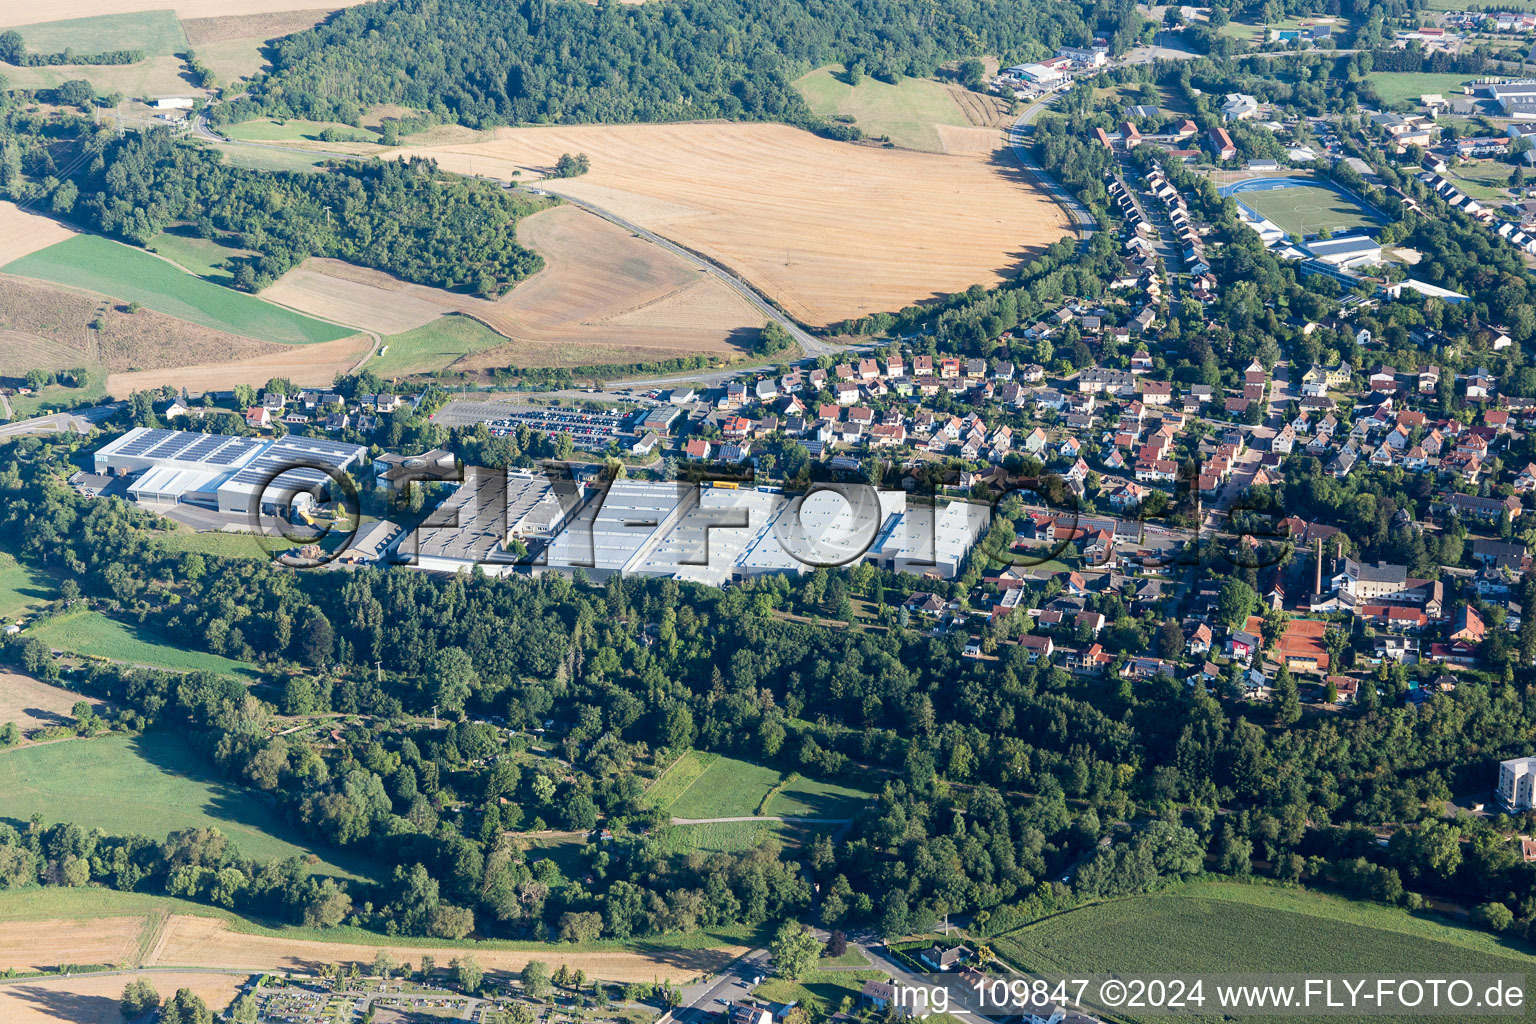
[[221, 471]]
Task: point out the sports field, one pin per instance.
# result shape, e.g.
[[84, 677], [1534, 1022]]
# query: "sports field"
[[1303, 210], [145, 785], [826, 229], [908, 112], [1196, 929], [92, 633], [110, 268], [433, 346]]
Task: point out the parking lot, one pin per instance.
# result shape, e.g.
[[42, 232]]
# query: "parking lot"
[[591, 429]]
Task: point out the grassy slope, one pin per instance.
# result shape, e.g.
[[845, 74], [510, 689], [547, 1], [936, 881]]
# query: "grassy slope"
[[906, 111], [157, 33], [200, 256], [255, 159], [1197, 928], [727, 836], [73, 904], [295, 130], [728, 788], [92, 633], [21, 589], [680, 774], [434, 345], [146, 785], [812, 798], [107, 267]]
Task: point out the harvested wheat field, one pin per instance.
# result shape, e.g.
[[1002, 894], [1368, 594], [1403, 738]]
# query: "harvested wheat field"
[[32, 945], [305, 365], [87, 999], [269, 25], [829, 230], [602, 290], [207, 942], [33, 704], [50, 328], [15, 14], [968, 140], [23, 232], [365, 298]]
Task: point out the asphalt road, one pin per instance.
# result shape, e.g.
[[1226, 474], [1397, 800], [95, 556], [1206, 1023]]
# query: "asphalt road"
[[701, 1002], [812, 345], [82, 422], [1018, 144]]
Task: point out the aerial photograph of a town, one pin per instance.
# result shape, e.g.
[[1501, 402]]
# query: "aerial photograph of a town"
[[767, 511]]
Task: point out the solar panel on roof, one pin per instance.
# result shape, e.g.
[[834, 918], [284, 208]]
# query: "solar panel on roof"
[[173, 446], [204, 448], [145, 441]]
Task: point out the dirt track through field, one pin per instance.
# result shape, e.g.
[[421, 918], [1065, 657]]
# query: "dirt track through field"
[[205, 942], [829, 230]]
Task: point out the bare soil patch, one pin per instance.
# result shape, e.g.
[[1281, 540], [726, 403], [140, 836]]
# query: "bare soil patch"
[[206, 942], [305, 365], [87, 999], [831, 231], [33, 704], [371, 299], [23, 232], [33, 945]]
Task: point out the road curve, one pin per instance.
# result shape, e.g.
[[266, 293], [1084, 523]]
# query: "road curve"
[[812, 345], [1018, 145]]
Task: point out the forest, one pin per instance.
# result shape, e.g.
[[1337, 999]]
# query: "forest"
[[484, 62], [404, 217], [995, 777]]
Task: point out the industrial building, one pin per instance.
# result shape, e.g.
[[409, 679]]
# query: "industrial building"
[[221, 471], [476, 524], [714, 533]]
